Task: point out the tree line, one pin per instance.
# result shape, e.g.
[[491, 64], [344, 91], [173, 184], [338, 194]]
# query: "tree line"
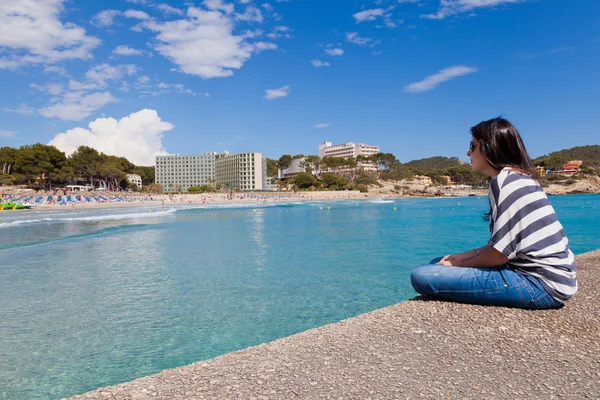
[[338, 173], [45, 166]]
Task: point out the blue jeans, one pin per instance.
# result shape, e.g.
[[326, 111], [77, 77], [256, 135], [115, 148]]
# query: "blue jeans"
[[488, 286]]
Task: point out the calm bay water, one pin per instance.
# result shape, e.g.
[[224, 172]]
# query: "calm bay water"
[[91, 298]]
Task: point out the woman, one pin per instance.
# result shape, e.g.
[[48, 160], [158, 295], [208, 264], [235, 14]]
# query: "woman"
[[527, 262]]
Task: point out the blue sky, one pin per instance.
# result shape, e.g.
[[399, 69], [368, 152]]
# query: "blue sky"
[[137, 78]]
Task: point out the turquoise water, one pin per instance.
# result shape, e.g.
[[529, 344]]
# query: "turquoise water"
[[96, 297]]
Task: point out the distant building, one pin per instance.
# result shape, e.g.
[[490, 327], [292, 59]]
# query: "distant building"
[[296, 167], [347, 150], [245, 171], [177, 173], [569, 169], [135, 178], [572, 167]]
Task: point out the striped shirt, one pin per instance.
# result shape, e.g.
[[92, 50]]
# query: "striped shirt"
[[524, 227]]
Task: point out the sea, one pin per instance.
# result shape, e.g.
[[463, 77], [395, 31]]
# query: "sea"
[[96, 297]]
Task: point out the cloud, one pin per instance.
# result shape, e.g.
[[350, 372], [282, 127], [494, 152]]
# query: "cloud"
[[76, 105], [105, 18], [272, 94], [320, 126], [55, 70], [444, 75], [22, 109], [33, 34], [129, 51], [203, 44], [136, 14], [334, 52], [546, 53], [318, 64], [368, 15], [167, 9], [218, 5], [251, 14], [6, 134], [104, 72], [137, 137], [453, 7], [353, 37]]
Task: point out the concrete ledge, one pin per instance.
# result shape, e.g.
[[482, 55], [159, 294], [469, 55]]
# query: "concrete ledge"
[[415, 349]]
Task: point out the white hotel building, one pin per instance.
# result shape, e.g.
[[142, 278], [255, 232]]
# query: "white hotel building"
[[245, 171], [347, 150], [177, 173]]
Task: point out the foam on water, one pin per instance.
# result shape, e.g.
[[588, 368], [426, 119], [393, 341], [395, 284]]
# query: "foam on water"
[[104, 217]]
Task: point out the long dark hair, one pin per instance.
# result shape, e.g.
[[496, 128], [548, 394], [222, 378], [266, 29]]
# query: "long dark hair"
[[502, 146]]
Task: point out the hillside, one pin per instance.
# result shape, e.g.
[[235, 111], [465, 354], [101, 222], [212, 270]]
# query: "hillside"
[[434, 163], [590, 155]]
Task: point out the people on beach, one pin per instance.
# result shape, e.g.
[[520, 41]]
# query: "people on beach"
[[527, 262]]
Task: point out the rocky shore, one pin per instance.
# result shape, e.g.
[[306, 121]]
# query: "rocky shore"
[[416, 349]]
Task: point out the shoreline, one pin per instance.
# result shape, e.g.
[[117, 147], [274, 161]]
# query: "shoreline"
[[258, 198]]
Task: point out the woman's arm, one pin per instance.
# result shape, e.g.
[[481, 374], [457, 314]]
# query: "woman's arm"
[[483, 257]]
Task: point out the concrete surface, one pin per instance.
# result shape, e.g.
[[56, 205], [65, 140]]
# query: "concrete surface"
[[418, 349]]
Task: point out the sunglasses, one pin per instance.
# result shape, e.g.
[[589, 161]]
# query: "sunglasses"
[[472, 147]]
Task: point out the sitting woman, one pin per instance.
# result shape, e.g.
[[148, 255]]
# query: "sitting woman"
[[527, 262]]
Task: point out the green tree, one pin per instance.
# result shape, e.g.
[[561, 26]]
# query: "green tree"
[[333, 182], [304, 180], [272, 169], [193, 189], [285, 161]]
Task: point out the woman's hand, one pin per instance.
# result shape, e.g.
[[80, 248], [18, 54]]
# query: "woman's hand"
[[447, 260]]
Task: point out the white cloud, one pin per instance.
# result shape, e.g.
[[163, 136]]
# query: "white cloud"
[[318, 64], [218, 5], [320, 126], [444, 75], [334, 52], [105, 18], [272, 94], [51, 88], [6, 134], [102, 73], [56, 70], [251, 14], [260, 46], [353, 37], [137, 137], [123, 50], [75, 106], [548, 52], [452, 7], [368, 15], [22, 109], [136, 14], [167, 9], [143, 2], [203, 44], [31, 33]]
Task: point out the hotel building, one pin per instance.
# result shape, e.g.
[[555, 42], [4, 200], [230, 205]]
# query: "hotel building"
[[245, 171], [177, 173], [347, 150], [136, 179]]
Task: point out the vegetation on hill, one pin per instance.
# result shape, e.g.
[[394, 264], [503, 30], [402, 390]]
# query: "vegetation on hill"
[[590, 155], [45, 166], [434, 163]]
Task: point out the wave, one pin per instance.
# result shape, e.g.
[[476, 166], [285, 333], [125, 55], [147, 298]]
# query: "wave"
[[98, 233], [105, 217], [380, 201]]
